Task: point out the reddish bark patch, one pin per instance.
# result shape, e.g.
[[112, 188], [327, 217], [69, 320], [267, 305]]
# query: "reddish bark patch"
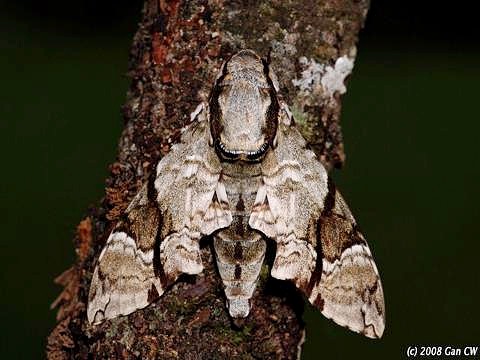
[[84, 234]]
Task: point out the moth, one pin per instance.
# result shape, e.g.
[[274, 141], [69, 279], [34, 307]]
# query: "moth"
[[241, 175]]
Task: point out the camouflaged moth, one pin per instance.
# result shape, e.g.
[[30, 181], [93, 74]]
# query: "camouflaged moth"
[[242, 175]]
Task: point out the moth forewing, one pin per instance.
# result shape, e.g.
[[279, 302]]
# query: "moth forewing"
[[124, 279], [319, 245], [177, 202]]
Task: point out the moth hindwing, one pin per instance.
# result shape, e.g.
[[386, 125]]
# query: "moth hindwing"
[[241, 173]]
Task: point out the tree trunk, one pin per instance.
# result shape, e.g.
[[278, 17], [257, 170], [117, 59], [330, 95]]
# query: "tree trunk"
[[175, 55]]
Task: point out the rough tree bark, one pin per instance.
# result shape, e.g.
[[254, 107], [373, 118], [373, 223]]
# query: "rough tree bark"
[[175, 55]]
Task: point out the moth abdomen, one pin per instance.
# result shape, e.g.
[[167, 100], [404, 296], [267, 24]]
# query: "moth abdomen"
[[239, 263]]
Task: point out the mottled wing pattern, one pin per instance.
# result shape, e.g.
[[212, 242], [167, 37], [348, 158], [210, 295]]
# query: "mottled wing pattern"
[[346, 284], [289, 201], [124, 279], [184, 201], [319, 245], [192, 200]]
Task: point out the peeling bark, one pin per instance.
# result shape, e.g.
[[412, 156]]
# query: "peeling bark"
[[175, 55]]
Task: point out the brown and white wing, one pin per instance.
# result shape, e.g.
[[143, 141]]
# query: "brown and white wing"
[[158, 239], [124, 279], [188, 185], [319, 245], [345, 284], [192, 199]]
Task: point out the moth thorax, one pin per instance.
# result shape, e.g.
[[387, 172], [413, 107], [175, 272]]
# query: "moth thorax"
[[244, 108], [243, 118]]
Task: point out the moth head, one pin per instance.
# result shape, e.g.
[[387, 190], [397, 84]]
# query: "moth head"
[[244, 108]]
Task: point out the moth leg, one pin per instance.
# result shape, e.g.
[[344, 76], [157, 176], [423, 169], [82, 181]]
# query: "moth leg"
[[294, 260], [180, 253]]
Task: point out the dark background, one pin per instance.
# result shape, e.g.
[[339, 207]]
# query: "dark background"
[[410, 122]]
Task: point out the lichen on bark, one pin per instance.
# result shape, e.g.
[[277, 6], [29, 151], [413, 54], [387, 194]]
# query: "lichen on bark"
[[176, 52]]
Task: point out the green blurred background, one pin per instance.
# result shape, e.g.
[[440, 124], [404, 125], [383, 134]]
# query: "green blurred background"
[[410, 122]]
